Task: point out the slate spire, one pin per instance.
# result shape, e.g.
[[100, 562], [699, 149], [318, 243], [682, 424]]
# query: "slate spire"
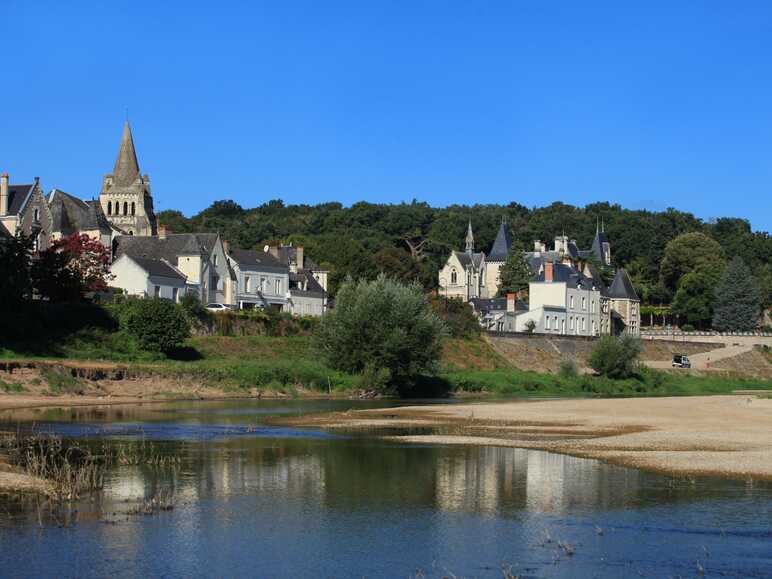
[[502, 244], [126, 168]]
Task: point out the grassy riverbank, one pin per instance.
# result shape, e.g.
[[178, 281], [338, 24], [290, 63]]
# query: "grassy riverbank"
[[288, 365]]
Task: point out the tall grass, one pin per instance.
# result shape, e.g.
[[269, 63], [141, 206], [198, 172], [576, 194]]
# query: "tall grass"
[[69, 467]]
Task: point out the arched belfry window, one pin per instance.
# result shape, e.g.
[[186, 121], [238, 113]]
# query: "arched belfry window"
[[133, 207], [125, 207], [453, 277], [109, 207]]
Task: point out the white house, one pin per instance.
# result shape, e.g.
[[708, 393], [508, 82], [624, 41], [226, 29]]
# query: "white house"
[[200, 257], [145, 277]]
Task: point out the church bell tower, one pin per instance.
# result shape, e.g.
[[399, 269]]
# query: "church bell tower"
[[125, 197]]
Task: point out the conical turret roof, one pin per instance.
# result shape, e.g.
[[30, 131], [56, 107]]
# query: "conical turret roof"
[[622, 287], [126, 168], [502, 245]]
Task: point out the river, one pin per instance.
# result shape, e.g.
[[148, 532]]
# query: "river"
[[254, 500]]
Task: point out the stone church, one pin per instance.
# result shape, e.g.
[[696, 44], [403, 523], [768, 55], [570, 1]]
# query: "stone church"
[[125, 197]]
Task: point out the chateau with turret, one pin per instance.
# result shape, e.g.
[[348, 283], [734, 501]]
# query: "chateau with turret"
[[567, 295]]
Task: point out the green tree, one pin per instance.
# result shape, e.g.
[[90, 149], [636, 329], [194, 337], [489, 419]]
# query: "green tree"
[[688, 253], [15, 283], [158, 325], [615, 357], [382, 328], [737, 299], [515, 274], [693, 301]]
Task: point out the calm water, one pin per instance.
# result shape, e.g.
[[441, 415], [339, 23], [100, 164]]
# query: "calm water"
[[254, 500]]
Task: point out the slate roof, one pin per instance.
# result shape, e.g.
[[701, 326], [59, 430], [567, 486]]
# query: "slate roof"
[[168, 248], [597, 245], [501, 245], [158, 267], [486, 305], [467, 259], [571, 276], [252, 260], [126, 168], [622, 287], [17, 195], [71, 214], [313, 288], [288, 253]]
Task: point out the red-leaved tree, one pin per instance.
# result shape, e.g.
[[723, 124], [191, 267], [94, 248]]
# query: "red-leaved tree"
[[71, 267]]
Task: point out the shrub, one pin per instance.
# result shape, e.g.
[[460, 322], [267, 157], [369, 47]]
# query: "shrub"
[[192, 306], [615, 357], [530, 326], [459, 318], [158, 325], [381, 325], [568, 368], [687, 328]]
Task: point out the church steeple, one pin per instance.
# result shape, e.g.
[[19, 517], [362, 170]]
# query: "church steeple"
[[469, 238], [126, 168]]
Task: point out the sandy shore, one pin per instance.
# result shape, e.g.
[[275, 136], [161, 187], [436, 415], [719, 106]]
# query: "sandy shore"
[[729, 436]]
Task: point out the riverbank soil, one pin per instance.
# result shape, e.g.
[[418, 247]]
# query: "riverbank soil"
[[728, 436]]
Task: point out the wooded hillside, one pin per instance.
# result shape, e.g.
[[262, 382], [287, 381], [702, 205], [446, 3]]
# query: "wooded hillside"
[[412, 240]]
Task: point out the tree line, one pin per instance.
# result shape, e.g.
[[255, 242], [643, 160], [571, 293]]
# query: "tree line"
[[411, 241]]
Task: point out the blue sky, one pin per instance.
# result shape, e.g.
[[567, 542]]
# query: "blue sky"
[[649, 104]]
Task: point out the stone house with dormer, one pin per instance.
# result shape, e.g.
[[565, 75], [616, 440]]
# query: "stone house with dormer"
[[23, 209]]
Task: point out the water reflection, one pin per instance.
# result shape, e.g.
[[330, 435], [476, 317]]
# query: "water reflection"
[[300, 504]]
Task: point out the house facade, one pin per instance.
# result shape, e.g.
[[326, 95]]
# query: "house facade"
[[24, 209], [261, 280], [200, 257], [144, 277]]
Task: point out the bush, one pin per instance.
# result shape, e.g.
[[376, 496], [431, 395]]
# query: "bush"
[[192, 306], [568, 368], [158, 325], [530, 326], [615, 357], [459, 318], [378, 326], [687, 328]]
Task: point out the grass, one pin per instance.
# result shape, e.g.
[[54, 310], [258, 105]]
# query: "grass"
[[71, 468], [288, 365], [513, 382], [61, 382], [11, 387]]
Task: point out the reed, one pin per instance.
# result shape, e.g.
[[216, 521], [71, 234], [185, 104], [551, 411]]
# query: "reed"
[[71, 468]]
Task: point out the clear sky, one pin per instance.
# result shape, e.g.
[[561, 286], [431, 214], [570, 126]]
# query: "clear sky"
[[647, 104]]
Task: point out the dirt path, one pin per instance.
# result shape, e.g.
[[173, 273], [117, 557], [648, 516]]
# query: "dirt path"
[[727, 436]]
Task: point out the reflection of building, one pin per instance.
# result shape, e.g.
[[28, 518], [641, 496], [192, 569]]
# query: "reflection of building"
[[489, 479]]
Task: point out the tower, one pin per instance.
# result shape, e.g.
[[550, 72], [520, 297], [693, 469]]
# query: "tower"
[[125, 197], [469, 239]]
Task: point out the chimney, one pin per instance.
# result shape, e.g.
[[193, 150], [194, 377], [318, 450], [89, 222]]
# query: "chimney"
[[161, 231], [274, 251], [226, 247], [511, 302], [537, 246], [4, 194], [548, 271], [299, 257]]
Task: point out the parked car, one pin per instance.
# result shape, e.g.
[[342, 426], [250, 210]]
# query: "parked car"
[[681, 361], [215, 307]]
